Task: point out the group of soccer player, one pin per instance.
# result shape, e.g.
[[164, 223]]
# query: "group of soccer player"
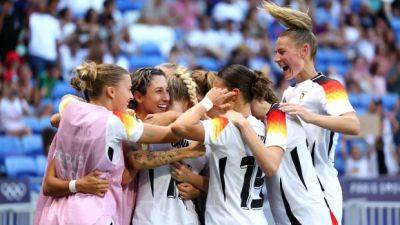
[[141, 146]]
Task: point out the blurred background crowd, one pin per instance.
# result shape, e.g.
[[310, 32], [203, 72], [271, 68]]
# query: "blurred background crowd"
[[42, 41]]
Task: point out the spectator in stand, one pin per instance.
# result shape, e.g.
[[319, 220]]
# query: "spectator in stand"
[[240, 55], [385, 153], [126, 43], [328, 13], [79, 7], [183, 14], [109, 9], [48, 79], [45, 33], [88, 28], [394, 75], [352, 29], [96, 51], [12, 62], [230, 37], [378, 80], [359, 73], [233, 10], [10, 27], [357, 164], [365, 47], [12, 110], [71, 56], [25, 85], [204, 40], [115, 56], [155, 12], [66, 24]]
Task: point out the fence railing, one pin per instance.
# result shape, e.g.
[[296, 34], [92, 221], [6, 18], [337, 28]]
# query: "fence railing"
[[361, 212]]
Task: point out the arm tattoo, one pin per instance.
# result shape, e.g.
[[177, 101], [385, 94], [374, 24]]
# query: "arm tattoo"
[[151, 159]]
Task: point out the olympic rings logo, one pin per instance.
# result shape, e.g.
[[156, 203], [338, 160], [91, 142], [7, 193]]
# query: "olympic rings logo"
[[13, 191]]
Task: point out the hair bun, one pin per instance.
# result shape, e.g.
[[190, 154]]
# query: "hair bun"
[[86, 76], [87, 71]]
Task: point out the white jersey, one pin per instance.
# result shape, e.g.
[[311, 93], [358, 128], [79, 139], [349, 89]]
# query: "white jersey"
[[157, 200], [235, 186], [294, 194], [327, 97]]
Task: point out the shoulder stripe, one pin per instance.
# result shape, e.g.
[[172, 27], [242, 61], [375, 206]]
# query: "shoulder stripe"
[[128, 121], [334, 90], [276, 122], [218, 125]]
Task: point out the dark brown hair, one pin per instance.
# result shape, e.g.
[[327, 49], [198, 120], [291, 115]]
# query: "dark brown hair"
[[252, 84]]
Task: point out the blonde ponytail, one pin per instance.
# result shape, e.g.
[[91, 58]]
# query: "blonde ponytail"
[[288, 17], [299, 25]]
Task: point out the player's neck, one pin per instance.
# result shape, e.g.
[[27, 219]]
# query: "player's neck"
[[307, 73], [244, 109], [141, 113], [102, 102]]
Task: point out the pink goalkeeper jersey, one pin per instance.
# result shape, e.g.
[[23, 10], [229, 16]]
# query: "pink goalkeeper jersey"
[[89, 138]]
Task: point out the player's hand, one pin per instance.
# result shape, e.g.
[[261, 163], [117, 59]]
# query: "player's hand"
[[297, 110], [131, 112], [162, 119], [188, 191], [236, 118], [220, 98], [180, 172], [93, 184], [197, 149], [55, 120]]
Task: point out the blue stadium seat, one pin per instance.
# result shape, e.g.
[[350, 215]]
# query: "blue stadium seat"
[[150, 49], [34, 124], [322, 66], [138, 61], [341, 68], [124, 5], [336, 58], [20, 166], [45, 122], [354, 100], [365, 100], [389, 101], [9, 146], [46, 101], [41, 162], [55, 104], [209, 63], [179, 34], [361, 111], [60, 89], [32, 144]]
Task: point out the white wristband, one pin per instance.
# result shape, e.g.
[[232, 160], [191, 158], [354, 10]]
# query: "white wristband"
[[72, 186], [206, 103]]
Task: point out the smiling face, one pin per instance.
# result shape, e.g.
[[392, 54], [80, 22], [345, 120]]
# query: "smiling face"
[[156, 99], [289, 57]]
